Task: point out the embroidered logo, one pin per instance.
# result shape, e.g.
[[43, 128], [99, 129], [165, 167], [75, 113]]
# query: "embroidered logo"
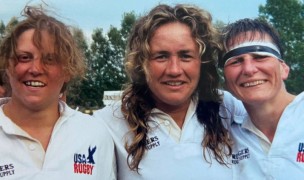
[[240, 155], [300, 155], [7, 170], [152, 142], [84, 164]]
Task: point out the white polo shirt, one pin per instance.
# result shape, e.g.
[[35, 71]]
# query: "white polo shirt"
[[80, 148], [170, 154], [285, 157]]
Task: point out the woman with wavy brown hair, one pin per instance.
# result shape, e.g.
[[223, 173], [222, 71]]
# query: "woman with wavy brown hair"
[[169, 125], [41, 136]]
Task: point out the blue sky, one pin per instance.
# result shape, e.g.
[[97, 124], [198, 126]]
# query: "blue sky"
[[91, 14]]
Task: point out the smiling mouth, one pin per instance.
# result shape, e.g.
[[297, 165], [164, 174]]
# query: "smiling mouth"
[[34, 84], [253, 83], [174, 83]]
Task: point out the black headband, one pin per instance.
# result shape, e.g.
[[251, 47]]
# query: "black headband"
[[248, 49]]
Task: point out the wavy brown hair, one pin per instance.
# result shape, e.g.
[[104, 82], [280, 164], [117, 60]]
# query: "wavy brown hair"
[[137, 101], [67, 52]]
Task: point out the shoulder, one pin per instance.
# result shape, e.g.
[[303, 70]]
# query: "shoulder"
[[114, 120], [232, 104], [108, 112], [232, 108], [296, 107], [81, 121]]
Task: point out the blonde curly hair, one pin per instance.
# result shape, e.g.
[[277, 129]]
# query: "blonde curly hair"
[[137, 101]]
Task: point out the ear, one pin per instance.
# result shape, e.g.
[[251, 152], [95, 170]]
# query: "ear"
[[284, 70], [67, 78]]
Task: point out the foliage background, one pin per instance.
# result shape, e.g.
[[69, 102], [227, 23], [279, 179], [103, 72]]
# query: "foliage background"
[[105, 53]]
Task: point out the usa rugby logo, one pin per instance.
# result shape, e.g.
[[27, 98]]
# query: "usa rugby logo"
[[300, 154], [84, 164]]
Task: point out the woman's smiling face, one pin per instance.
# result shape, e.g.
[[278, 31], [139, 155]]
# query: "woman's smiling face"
[[174, 65], [36, 78]]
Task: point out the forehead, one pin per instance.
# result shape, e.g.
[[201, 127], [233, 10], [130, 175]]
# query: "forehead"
[[171, 29], [248, 37], [42, 40], [172, 36]]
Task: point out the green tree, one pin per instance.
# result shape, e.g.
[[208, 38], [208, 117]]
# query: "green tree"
[[219, 25], [100, 65], [105, 61], [287, 17], [2, 30], [78, 88], [10, 25], [118, 39]]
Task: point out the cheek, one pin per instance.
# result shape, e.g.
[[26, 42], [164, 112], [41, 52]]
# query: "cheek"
[[194, 68], [56, 72], [153, 71], [10, 74], [229, 79], [231, 74]]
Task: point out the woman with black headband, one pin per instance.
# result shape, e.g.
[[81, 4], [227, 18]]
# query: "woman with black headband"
[[270, 140]]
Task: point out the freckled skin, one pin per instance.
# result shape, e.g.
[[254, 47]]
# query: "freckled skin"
[[174, 65], [51, 75], [267, 72]]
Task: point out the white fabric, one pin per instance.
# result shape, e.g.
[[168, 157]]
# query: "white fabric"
[[174, 131], [285, 158], [256, 43], [74, 135], [165, 157], [264, 141]]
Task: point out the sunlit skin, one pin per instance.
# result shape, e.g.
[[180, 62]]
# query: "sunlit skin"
[[2, 91], [35, 85], [174, 68], [36, 81], [256, 79]]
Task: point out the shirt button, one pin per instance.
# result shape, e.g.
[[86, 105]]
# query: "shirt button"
[[32, 147], [167, 123]]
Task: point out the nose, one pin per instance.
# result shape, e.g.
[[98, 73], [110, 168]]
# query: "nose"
[[36, 66], [249, 66], [174, 67]]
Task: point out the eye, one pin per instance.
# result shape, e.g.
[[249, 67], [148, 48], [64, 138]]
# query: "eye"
[[234, 61], [24, 57], [260, 57], [160, 57], [49, 59], [186, 57]]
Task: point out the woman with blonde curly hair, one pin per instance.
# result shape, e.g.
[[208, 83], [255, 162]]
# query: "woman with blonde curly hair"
[[168, 125], [41, 136]]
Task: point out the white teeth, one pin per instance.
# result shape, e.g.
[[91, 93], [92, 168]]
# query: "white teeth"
[[174, 83], [34, 83], [254, 83]]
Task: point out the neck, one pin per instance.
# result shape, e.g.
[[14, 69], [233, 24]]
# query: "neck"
[[38, 124], [178, 113], [266, 116]]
